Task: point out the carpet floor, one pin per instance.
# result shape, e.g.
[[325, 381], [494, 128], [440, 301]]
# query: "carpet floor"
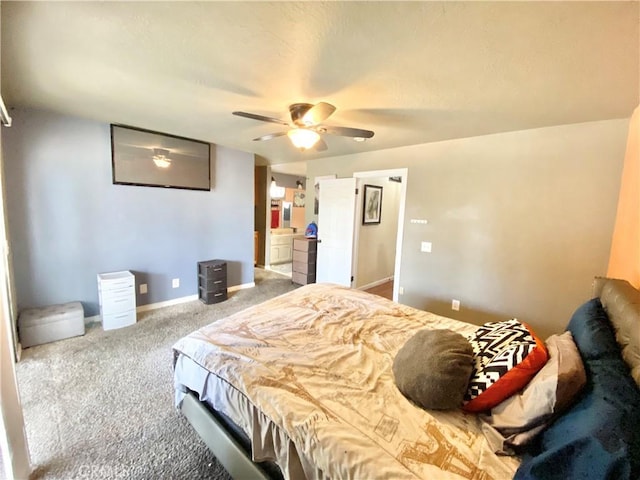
[[101, 405]]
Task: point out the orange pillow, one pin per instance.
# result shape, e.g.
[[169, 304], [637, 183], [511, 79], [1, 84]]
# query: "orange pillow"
[[507, 355]]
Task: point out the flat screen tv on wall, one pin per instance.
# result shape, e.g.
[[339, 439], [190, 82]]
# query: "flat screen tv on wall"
[[152, 159]]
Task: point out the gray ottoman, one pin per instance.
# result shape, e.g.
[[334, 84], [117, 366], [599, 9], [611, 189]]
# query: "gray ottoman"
[[48, 324]]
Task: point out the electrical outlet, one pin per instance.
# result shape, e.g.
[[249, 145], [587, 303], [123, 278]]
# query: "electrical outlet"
[[175, 283], [401, 290], [455, 304], [143, 288]]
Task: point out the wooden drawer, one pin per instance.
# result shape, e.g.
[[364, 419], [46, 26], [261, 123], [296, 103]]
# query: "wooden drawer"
[[303, 267], [303, 279], [305, 257], [305, 244]]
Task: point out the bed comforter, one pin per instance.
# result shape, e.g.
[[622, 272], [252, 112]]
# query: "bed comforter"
[[316, 362]]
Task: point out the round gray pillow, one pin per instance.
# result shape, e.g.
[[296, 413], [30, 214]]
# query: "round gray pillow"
[[433, 369]]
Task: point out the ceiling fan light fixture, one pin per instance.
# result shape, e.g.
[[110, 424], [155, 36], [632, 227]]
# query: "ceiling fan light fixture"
[[305, 126], [161, 158], [303, 138]]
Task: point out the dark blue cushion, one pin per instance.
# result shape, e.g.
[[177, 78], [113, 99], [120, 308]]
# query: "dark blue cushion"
[[599, 436], [592, 332]]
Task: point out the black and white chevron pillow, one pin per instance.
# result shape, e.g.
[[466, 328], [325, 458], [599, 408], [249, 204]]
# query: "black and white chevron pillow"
[[506, 356]]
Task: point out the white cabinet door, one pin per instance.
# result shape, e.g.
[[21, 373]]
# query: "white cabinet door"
[[281, 254]]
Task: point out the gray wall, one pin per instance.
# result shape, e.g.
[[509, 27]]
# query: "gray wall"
[[68, 221], [520, 222], [288, 181], [377, 242]]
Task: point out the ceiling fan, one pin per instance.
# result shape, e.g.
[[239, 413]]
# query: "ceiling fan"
[[306, 126]]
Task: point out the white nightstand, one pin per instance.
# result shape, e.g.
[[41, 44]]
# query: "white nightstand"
[[117, 296]]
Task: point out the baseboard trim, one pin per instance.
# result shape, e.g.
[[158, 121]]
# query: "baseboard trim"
[[241, 286], [375, 284], [168, 303]]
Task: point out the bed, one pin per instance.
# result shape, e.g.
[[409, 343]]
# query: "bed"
[[301, 387]]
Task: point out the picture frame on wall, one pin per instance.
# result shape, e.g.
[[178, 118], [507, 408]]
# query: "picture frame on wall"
[[153, 159], [298, 199], [372, 205]]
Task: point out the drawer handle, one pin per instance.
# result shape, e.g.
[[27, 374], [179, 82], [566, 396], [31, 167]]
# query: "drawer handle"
[[121, 299], [217, 269], [218, 281], [122, 316], [217, 294]]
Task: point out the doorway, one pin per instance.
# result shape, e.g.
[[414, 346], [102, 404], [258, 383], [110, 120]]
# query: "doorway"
[[285, 218], [378, 246], [362, 247]]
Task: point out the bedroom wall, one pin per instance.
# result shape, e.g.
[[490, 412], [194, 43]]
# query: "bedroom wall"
[[520, 222], [378, 242], [68, 221]]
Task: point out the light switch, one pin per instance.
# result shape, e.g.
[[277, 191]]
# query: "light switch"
[[425, 247], [143, 288]]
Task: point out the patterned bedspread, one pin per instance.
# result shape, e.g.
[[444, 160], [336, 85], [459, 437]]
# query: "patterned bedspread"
[[317, 362]]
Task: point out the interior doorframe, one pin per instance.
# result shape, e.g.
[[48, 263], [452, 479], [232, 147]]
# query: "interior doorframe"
[[403, 173], [14, 449]]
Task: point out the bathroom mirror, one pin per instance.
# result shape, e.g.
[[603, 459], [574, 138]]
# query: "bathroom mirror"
[[286, 214]]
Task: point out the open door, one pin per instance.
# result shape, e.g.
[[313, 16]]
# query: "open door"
[[336, 220]]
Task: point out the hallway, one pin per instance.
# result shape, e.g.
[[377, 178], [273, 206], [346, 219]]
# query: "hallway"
[[384, 290]]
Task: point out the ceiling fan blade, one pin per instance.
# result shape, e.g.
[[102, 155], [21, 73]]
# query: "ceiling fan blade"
[[269, 137], [262, 118], [346, 131], [318, 113], [320, 146]]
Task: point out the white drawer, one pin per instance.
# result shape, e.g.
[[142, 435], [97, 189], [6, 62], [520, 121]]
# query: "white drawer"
[[116, 284], [115, 280], [107, 295], [118, 304], [118, 320]]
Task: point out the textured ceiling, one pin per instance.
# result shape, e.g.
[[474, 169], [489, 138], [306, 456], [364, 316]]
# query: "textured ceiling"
[[414, 72]]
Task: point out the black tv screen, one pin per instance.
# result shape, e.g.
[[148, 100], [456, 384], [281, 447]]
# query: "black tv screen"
[[152, 159]]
